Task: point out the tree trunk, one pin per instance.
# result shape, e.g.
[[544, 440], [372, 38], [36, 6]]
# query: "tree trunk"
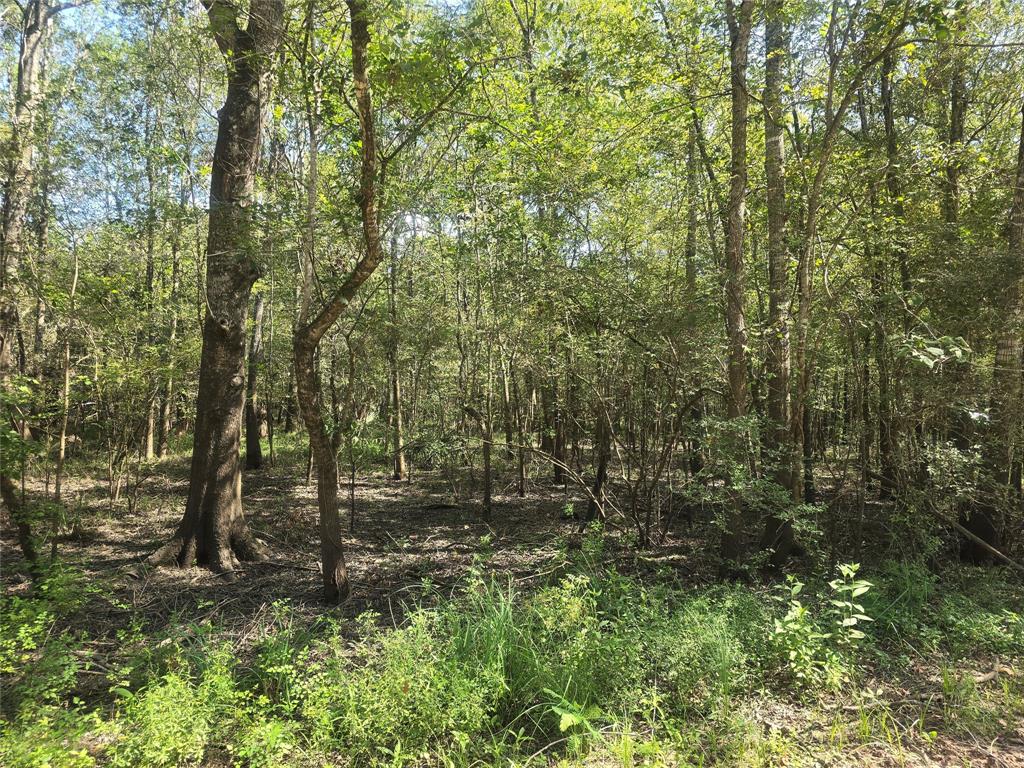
[[213, 530], [1006, 407], [888, 394], [603, 445], [253, 432], [695, 443], [36, 19], [778, 533], [395, 383], [149, 438], [167, 401], [65, 392], [308, 334], [735, 286]]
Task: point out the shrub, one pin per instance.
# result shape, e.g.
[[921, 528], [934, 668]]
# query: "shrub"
[[172, 721]]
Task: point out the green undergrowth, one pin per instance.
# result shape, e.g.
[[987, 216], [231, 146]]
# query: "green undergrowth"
[[594, 668]]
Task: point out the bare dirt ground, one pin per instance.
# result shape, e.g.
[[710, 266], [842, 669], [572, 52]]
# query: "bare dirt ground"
[[405, 533]]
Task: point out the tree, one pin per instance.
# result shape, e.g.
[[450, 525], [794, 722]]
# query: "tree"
[[37, 17], [778, 534], [1006, 407], [309, 331], [740, 21], [213, 530], [253, 428]]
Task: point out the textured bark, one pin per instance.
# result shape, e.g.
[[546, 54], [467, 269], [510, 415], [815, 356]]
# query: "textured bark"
[[1006, 407], [309, 333], [888, 397], [213, 529], [778, 533], [740, 20], [253, 422], [36, 19]]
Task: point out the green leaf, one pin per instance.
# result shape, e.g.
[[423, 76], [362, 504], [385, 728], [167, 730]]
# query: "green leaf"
[[568, 721]]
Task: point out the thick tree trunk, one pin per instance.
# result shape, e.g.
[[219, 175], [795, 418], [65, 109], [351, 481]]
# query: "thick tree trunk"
[[740, 20], [253, 422], [1006, 440], [1006, 408], [778, 533], [213, 529], [37, 16]]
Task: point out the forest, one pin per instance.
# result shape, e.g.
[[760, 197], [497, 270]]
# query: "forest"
[[469, 383]]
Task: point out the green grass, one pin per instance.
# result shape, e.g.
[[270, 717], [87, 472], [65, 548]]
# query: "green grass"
[[595, 666]]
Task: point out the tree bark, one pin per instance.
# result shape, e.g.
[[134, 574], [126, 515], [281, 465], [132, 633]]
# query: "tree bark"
[[213, 530], [309, 333], [395, 383], [740, 21], [778, 533], [1006, 408], [36, 19], [253, 432]]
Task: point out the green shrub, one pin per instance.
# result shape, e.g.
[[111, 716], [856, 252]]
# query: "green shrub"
[[817, 643], [53, 737], [172, 721], [402, 692]]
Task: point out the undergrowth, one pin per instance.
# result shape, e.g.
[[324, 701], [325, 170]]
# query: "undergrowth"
[[595, 663]]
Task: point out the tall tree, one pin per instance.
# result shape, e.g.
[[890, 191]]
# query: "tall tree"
[[253, 422], [310, 331], [1006, 407], [37, 17], [778, 532], [213, 530], [740, 21]]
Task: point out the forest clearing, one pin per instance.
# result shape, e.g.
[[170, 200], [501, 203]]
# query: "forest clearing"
[[471, 383]]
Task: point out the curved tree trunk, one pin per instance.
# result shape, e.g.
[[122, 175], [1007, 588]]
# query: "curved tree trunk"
[[308, 334], [213, 530]]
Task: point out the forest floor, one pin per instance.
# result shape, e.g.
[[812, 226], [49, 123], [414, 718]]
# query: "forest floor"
[[413, 543]]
